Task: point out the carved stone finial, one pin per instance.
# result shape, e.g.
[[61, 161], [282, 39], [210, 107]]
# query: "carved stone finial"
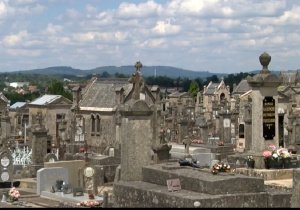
[[265, 59], [138, 66]]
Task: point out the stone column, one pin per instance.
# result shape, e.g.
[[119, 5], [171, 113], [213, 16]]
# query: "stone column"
[[204, 132], [136, 139], [295, 201], [290, 129], [225, 127], [5, 127], [297, 130], [39, 147], [264, 107]]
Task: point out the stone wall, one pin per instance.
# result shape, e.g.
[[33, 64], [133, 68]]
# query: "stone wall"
[[107, 136]]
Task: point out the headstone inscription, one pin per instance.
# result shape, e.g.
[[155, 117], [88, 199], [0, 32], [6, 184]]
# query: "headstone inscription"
[[173, 185], [268, 118]]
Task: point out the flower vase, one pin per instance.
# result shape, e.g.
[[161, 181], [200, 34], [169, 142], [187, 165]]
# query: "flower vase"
[[278, 163], [250, 163], [268, 163], [286, 163], [11, 199]]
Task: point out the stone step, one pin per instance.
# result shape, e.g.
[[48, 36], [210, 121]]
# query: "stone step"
[[28, 183], [142, 194], [202, 180]]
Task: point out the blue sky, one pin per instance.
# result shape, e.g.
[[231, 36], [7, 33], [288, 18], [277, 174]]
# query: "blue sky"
[[201, 35]]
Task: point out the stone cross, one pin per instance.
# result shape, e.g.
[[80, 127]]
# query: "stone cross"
[[137, 81], [187, 142]]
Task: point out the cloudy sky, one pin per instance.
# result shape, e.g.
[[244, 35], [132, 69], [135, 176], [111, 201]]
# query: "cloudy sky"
[[213, 35]]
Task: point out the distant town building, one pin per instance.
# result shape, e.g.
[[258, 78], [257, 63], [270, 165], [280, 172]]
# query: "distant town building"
[[18, 84], [214, 93]]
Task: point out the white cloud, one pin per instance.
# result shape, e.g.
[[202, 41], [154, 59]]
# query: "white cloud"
[[129, 10], [153, 43], [290, 17], [165, 28], [226, 23], [15, 39], [173, 32], [3, 10], [53, 29], [23, 52]]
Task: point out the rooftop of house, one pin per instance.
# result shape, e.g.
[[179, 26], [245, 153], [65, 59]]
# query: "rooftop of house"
[[47, 99]]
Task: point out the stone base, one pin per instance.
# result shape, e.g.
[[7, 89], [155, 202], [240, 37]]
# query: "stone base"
[[59, 196]]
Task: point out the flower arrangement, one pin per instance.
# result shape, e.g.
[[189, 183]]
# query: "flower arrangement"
[[220, 167], [276, 155], [220, 143], [13, 194], [197, 141], [91, 203]]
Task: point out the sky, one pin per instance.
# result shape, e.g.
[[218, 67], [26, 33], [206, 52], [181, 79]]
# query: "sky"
[[219, 36]]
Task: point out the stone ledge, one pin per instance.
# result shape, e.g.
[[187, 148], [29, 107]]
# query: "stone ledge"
[[267, 174]]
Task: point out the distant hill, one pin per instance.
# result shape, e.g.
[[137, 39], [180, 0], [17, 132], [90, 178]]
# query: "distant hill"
[[168, 71]]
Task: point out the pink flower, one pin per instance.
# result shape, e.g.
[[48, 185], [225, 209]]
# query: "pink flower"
[[272, 147], [267, 153]]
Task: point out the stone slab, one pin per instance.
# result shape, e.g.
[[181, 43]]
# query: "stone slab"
[[46, 177], [200, 180]]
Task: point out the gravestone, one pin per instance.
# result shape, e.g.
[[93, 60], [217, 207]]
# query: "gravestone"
[[73, 167], [89, 180], [264, 107], [47, 177], [225, 125], [6, 167], [137, 128]]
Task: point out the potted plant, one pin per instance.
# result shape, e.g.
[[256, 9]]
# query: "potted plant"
[[13, 194], [286, 157], [250, 161], [267, 158]]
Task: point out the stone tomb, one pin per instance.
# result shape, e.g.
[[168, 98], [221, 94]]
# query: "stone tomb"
[[199, 188], [73, 167], [47, 177]]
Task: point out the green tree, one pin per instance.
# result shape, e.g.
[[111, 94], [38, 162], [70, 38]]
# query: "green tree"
[[194, 89], [57, 88]]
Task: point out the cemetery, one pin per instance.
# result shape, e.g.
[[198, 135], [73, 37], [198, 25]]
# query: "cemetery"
[[121, 145]]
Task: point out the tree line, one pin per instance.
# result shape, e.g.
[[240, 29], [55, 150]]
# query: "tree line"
[[56, 85]]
